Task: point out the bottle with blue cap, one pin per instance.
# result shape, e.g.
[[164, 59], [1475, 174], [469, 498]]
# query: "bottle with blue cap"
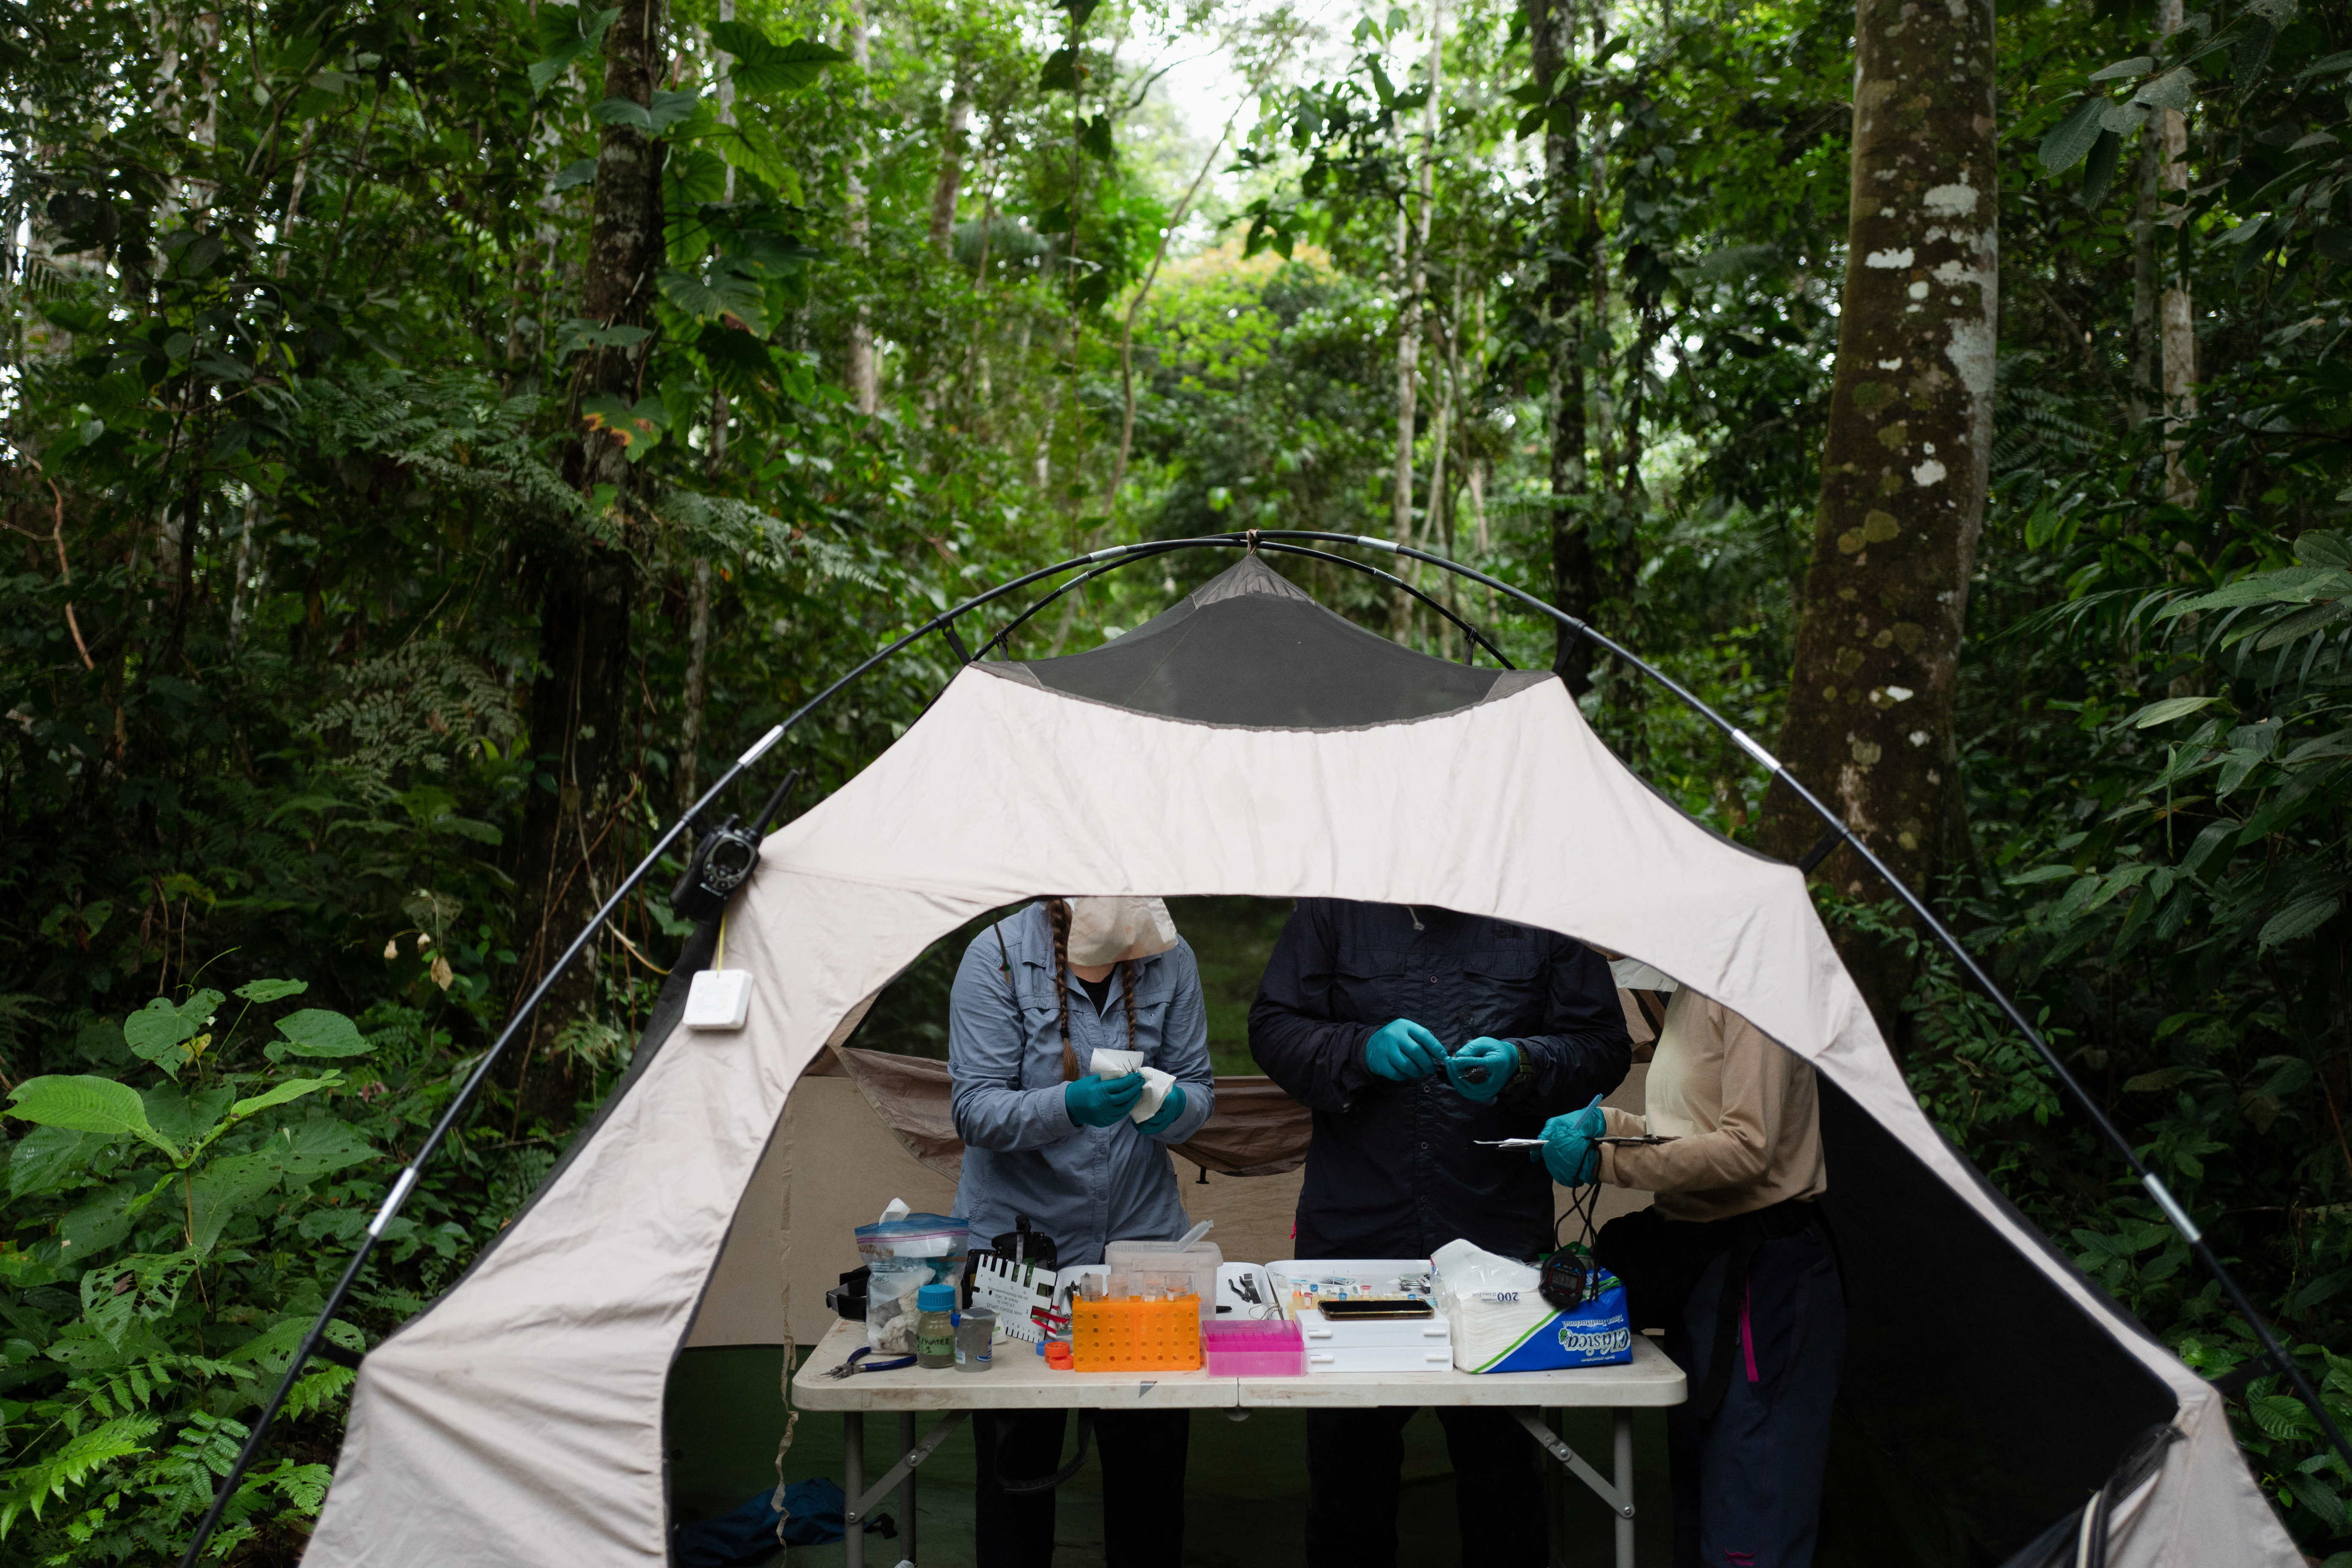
[[935, 1327]]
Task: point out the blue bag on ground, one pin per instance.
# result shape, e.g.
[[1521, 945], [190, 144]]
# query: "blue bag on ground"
[[748, 1534], [1499, 1320]]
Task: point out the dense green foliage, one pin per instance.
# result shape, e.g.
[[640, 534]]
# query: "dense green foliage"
[[289, 417]]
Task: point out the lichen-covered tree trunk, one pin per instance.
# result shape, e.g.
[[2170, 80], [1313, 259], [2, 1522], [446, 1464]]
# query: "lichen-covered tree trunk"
[[579, 702], [1869, 724], [1550, 37]]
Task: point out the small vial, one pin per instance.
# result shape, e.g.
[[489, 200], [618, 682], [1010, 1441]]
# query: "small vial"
[[935, 1327], [975, 1334]]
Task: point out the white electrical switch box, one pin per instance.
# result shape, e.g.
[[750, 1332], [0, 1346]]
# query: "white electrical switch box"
[[718, 999]]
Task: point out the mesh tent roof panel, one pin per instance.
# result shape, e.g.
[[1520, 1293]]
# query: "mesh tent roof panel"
[[1250, 649]]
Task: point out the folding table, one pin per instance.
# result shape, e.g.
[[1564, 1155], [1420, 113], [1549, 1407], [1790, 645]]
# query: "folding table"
[[1022, 1380]]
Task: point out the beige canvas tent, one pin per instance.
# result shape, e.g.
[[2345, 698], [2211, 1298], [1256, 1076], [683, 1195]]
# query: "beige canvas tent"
[[1250, 742]]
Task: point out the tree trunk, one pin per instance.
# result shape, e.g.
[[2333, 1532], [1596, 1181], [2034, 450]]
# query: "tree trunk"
[[1869, 724], [699, 577], [1561, 305], [2147, 353], [950, 184], [1413, 277], [2169, 130], [863, 390], [578, 704]]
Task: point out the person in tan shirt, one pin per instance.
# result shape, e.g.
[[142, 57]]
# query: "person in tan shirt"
[[1742, 1114], [1733, 1261]]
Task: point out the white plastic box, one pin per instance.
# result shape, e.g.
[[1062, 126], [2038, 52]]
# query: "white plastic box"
[[718, 999], [1382, 1345], [1395, 1345]]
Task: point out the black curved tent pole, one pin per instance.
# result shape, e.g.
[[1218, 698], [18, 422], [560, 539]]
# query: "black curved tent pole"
[[1290, 541]]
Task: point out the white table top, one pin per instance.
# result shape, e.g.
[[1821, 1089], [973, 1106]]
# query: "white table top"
[[1019, 1381], [1022, 1380]]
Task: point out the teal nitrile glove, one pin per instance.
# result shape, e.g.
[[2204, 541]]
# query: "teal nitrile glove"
[[1403, 1050], [1569, 1152], [1162, 1119], [1101, 1101], [1495, 1060]]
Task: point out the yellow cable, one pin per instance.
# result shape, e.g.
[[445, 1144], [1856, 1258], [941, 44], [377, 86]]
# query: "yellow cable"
[[719, 959]]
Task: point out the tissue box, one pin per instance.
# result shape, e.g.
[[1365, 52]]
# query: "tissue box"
[[1513, 1331], [1502, 1322]]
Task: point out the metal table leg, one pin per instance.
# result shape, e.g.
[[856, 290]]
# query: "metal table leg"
[[1619, 1496], [1555, 1505], [858, 1506], [853, 1484], [906, 1489], [1624, 1475]]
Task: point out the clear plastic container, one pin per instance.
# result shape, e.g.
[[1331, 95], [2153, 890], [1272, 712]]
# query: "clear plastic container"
[[1254, 1348], [1156, 1261]]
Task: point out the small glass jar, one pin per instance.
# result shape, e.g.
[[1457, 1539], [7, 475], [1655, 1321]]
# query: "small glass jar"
[[935, 1327], [975, 1335]]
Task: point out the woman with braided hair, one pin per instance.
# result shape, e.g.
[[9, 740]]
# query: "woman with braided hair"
[[1084, 1160]]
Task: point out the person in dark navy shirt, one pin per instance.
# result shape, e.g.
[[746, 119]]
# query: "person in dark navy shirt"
[[1412, 1033]]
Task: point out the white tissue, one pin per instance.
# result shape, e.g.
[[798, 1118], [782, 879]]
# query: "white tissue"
[[1464, 1269], [1155, 1084], [897, 1210], [1490, 1301]]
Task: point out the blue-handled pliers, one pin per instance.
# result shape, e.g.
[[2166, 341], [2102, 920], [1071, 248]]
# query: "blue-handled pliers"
[[850, 1367]]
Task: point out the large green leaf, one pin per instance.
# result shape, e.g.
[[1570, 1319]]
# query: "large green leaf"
[[43, 1159], [723, 293], [271, 990], [86, 1104], [186, 1118], [313, 1148], [91, 1228], [223, 1190], [667, 109], [315, 1032], [569, 35], [2301, 918], [762, 67], [2071, 140], [160, 1030], [2168, 710], [291, 1089], [142, 1287]]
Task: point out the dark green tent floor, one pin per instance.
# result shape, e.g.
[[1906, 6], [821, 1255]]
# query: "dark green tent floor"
[[1246, 1485]]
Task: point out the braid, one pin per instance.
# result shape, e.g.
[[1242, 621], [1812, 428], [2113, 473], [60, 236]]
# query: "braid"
[[1057, 910], [1127, 989]]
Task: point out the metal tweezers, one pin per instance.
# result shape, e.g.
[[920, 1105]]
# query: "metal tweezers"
[[850, 1367], [1537, 1142]]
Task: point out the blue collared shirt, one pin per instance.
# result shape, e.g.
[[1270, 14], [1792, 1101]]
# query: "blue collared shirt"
[[1084, 1186]]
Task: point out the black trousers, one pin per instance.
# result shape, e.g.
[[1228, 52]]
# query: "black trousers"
[[1143, 1485], [1748, 1481], [1354, 1458]]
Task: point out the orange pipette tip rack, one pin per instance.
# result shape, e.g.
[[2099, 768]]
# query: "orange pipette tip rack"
[[1129, 1335]]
